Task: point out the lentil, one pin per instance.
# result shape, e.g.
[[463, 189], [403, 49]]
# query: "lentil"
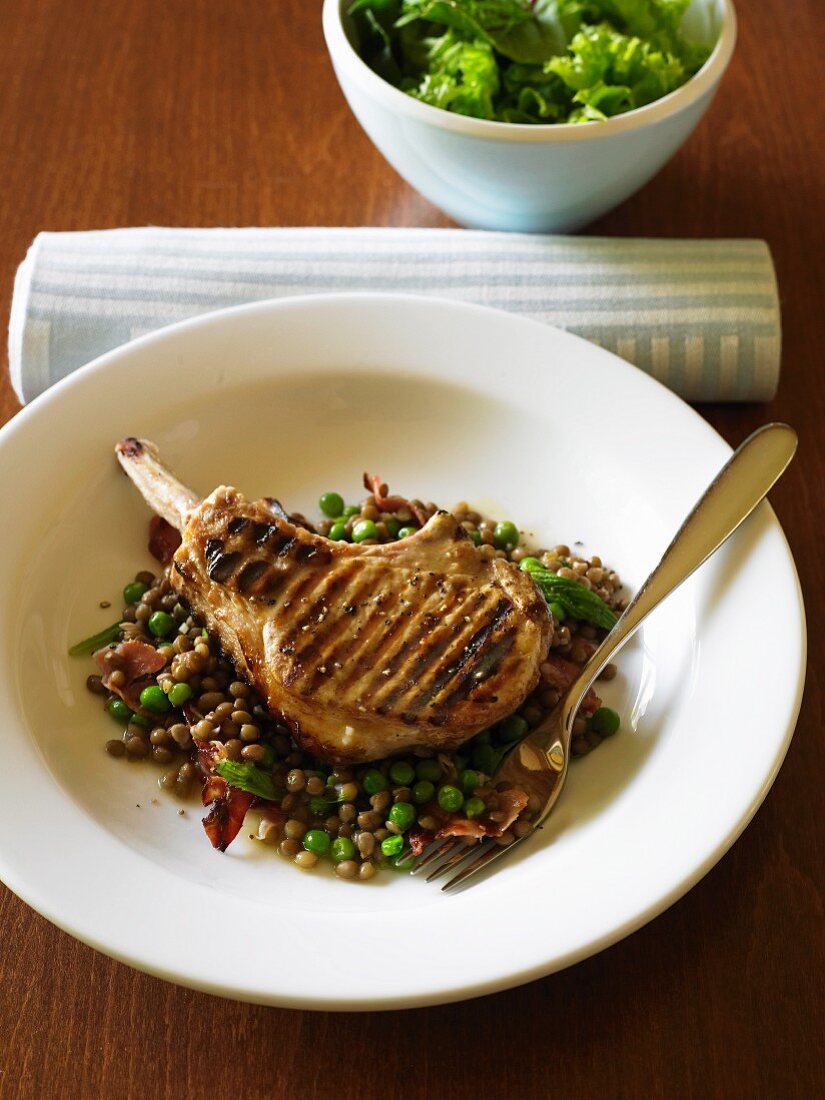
[[296, 780], [255, 754], [137, 747]]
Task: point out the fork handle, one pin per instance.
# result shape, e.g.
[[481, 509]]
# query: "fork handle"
[[741, 484]]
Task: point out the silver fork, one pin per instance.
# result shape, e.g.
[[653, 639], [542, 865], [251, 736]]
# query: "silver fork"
[[538, 764]]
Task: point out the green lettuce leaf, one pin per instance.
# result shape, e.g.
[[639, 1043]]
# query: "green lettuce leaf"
[[374, 20], [614, 73], [515, 28], [530, 61], [465, 77], [532, 95]]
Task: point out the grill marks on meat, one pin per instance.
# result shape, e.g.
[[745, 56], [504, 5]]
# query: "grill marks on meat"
[[364, 651], [431, 650]]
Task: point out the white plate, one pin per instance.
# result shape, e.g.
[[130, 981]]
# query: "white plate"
[[445, 401]]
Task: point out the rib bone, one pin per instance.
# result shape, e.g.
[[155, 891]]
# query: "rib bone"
[[156, 484]]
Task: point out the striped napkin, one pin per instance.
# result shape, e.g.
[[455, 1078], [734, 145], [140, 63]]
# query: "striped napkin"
[[701, 316]]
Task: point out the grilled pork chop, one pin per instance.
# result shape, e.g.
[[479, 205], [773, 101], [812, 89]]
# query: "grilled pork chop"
[[364, 651]]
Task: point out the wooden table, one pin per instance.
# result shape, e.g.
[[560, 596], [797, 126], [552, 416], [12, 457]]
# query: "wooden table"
[[200, 113]]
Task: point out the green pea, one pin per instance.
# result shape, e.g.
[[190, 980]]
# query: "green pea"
[[160, 624], [483, 738], [423, 791], [204, 633], [476, 537], [405, 532], [402, 773], [513, 728], [505, 535], [403, 863], [133, 591], [154, 699], [604, 721], [428, 769], [402, 814], [342, 848], [530, 563], [180, 694], [364, 529], [557, 611], [485, 758], [119, 710], [139, 720], [450, 798], [331, 504], [392, 845], [393, 527], [469, 780], [317, 841], [338, 532], [474, 807], [351, 510], [374, 781]]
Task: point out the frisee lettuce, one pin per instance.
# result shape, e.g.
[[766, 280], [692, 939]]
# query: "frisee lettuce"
[[529, 61]]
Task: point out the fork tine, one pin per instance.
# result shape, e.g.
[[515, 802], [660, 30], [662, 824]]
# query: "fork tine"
[[482, 860], [464, 852], [434, 850]]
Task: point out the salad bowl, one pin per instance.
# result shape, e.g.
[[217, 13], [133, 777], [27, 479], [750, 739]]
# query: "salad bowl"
[[530, 178]]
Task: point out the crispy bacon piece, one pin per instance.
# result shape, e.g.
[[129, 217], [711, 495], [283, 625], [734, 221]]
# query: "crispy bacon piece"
[[419, 839], [227, 809], [465, 827], [386, 503], [227, 806], [510, 803], [560, 674], [164, 540], [209, 752], [137, 661]]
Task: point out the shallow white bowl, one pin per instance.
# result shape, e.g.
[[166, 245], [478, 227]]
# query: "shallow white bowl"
[[497, 175], [446, 401]]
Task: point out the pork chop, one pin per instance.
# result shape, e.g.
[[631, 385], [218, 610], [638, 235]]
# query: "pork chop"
[[363, 651]]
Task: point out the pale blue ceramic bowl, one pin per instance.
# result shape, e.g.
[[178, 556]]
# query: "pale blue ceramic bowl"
[[499, 175]]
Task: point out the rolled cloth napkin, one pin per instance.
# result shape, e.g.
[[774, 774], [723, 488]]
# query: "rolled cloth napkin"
[[701, 316]]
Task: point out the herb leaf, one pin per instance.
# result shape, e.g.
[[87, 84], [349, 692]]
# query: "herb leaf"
[[96, 641], [579, 602], [248, 778]]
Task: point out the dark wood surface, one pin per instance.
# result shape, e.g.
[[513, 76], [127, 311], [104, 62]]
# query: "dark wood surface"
[[191, 112]]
